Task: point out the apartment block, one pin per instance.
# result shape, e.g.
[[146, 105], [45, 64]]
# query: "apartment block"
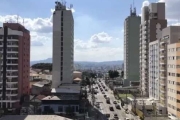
[[15, 64], [131, 47], [152, 22], [173, 65], [154, 70], [63, 46]]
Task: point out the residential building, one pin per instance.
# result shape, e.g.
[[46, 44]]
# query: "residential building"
[[170, 35], [63, 45], [131, 47], [34, 117], [77, 74], [63, 98], [152, 22], [154, 70], [169, 83], [15, 61]]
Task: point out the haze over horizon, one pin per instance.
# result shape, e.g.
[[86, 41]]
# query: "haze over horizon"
[[99, 40]]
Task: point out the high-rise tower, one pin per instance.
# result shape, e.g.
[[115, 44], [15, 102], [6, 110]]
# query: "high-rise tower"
[[131, 47], [15, 64], [63, 45], [152, 23]]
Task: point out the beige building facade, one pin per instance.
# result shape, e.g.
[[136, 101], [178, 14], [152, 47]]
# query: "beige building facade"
[[173, 79]]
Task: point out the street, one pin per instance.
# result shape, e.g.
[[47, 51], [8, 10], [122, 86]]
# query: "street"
[[104, 107]]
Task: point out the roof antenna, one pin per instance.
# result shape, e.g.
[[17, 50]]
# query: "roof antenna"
[[133, 4], [130, 9]]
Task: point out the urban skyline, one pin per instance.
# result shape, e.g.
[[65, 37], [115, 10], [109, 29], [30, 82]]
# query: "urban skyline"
[[114, 27]]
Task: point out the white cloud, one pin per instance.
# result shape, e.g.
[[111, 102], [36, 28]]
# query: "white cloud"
[[80, 44], [92, 49], [101, 38], [42, 25]]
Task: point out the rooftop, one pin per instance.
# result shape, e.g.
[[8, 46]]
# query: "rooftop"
[[77, 72], [66, 89], [33, 117], [77, 79], [62, 97], [41, 83]]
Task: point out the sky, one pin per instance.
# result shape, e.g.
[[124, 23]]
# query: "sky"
[[98, 25]]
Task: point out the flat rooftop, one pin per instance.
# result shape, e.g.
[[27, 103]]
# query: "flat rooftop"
[[66, 89], [62, 97], [33, 117]]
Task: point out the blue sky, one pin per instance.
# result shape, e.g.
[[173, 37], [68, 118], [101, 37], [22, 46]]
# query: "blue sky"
[[98, 30]]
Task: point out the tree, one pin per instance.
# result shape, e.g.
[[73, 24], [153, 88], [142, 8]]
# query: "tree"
[[93, 75], [43, 66], [113, 74]]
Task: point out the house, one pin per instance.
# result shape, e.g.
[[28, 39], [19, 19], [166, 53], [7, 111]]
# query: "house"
[[62, 99], [33, 117], [41, 87], [77, 74], [76, 80]]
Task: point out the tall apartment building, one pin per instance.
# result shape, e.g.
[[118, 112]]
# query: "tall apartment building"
[[171, 36], [63, 45], [15, 64], [154, 70], [131, 47], [152, 22]]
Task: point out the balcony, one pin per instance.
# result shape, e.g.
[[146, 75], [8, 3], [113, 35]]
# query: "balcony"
[[162, 69], [11, 92], [162, 76], [12, 56], [12, 87], [12, 75], [162, 55], [162, 42], [12, 45], [162, 61], [162, 48], [162, 82]]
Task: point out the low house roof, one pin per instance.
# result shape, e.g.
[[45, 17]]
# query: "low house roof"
[[77, 79], [77, 72], [33, 117], [67, 89]]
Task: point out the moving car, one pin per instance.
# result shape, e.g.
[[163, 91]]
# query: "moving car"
[[116, 116], [111, 108], [108, 101], [118, 106], [115, 102]]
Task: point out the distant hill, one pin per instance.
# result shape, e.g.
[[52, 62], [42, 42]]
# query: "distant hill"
[[81, 65]]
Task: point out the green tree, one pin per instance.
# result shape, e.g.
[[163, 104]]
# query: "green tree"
[[43, 66], [113, 74]]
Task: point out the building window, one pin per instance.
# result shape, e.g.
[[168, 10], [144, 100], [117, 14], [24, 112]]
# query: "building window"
[[60, 109]]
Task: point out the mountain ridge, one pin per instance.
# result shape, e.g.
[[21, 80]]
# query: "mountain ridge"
[[49, 60]]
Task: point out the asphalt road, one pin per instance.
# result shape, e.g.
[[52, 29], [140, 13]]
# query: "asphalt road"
[[104, 107]]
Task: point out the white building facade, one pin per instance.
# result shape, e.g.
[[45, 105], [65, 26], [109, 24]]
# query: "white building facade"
[[154, 84], [63, 45]]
